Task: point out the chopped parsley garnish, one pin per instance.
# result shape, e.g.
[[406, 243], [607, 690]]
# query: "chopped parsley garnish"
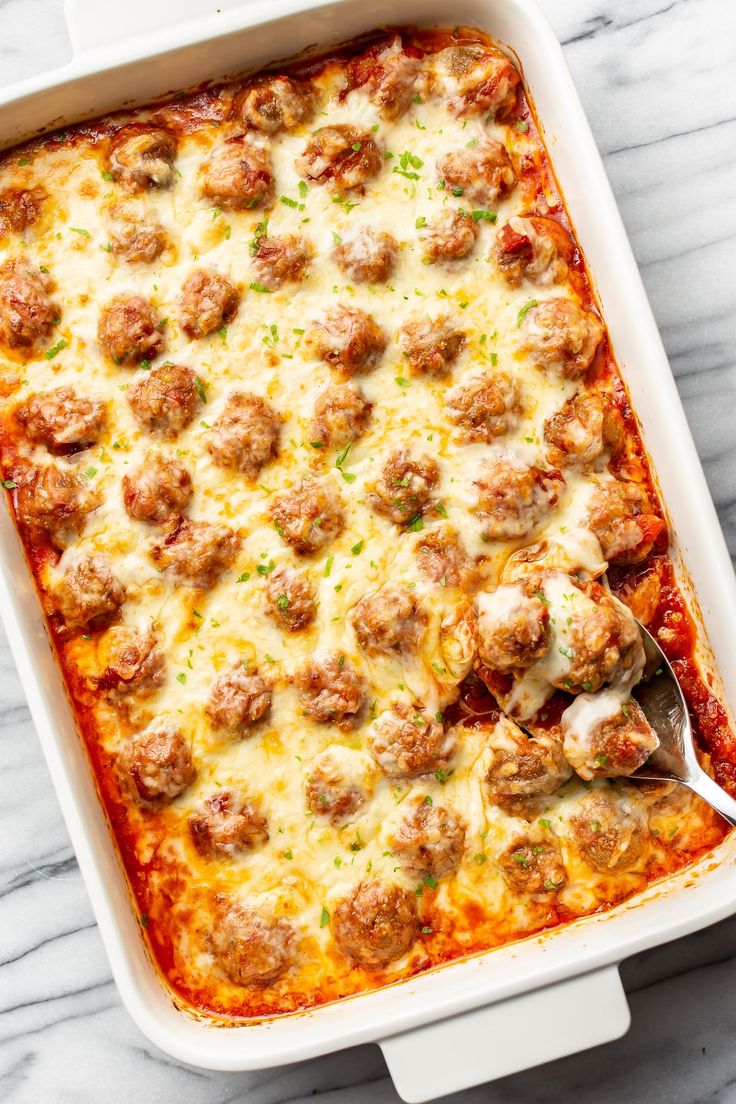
[[9, 484], [243, 578], [421, 221], [287, 202], [484, 216], [255, 286], [340, 459], [357, 548], [79, 230], [56, 349], [324, 918], [200, 389], [266, 569], [523, 312], [415, 524]]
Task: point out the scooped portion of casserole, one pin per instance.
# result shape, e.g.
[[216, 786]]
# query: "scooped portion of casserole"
[[340, 518]]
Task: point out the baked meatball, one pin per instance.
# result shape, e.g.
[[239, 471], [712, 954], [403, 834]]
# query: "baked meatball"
[[408, 742], [514, 498], [450, 236], [431, 346], [134, 239], [521, 766], [605, 737], [339, 783], [165, 399], [342, 157], [387, 75], [88, 595], [276, 103], [559, 336], [239, 698], [624, 520], [61, 419], [237, 174], [429, 841], [27, 314], [159, 490], [208, 302], [610, 830], [19, 209], [142, 157], [129, 330], [390, 620], [196, 553], [486, 407], [290, 599], [253, 949], [533, 864], [159, 763], [341, 413], [513, 628], [53, 502], [331, 690], [130, 660], [368, 257], [376, 924], [442, 558], [308, 517], [536, 248], [347, 339], [246, 434], [482, 175], [602, 642], [481, 80], [584, 433], [281, 260], [404, 488], [227, 824]]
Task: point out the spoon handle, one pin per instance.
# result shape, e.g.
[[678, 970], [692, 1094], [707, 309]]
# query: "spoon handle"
[[715, 795]]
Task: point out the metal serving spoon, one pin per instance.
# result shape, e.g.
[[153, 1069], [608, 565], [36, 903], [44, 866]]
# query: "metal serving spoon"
[[662, 701]]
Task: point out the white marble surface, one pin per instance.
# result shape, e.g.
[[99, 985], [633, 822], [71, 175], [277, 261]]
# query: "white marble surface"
[[658, 80]]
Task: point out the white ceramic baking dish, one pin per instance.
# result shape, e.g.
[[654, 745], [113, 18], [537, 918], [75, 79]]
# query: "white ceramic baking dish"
[[466, 1022]]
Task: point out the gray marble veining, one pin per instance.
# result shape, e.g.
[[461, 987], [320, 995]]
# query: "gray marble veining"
[[658, 82]]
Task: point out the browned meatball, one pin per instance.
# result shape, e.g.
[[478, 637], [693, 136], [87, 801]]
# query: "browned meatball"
[[513, 627], [537, 248], [278, 260], [308, 517], [164, 400], [142, 156], [291, 598], [227, 824], [331, 689], [429, 841], [585, 432], [482, 175], [442, 558], [342, 157], [134, 239], [130, 660], [407, 743], [486, 407], [521, 766], [19, 209], [603, 642], [431, 346], [339, 783], [88, 594], [376, 924], [559, 336], [27, 313], [53, 502], [450, 236], [611, 830], [605, 738], [367, 257], [389, 620], [341, 413], [276, 103], [513, 498], [404, 489], [239, 698], [208, 302], [246, 434], [129, 330], [252, 949], [158, 490], [159, 763], [388, 75], [348, 339], [482, 80], [624, 520], [533, 864], [61, 419], [196, 553], [237, 175]]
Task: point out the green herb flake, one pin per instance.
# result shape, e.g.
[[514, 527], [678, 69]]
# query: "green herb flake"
[[181, 677], [265, 569], [287, 202], [357, 548], [421, 221], [80, 231], [243, 578], [9, 484], [200, 389], [324, 918], [484, 216], [56, 349], [523, 312]]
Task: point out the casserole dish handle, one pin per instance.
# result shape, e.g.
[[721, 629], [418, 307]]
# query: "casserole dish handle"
[[508, 1036]]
